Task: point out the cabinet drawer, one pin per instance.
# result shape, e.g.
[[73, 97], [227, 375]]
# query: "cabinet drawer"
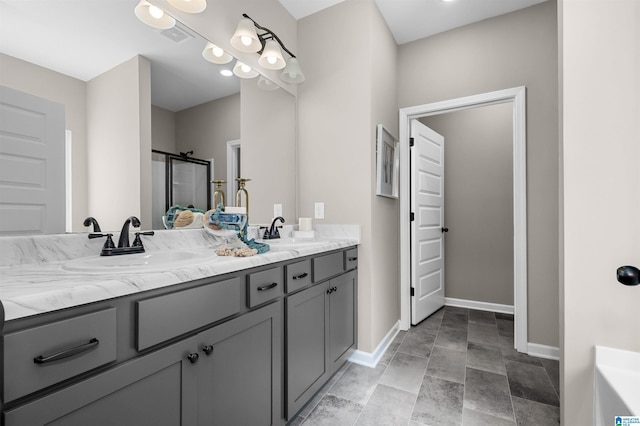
[[298, 275], [327, 266], [164, 317], [45, 355], [264, 286], [350, 259]]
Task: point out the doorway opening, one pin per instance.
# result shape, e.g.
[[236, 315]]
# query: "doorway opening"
[[516, 96]]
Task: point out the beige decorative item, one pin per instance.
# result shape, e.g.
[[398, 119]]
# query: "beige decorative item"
[[185, 218]]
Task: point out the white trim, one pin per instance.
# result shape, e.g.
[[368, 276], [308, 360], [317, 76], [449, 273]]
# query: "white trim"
[[371, 359], [543, 351], [480, 306], [68, 173], [515, 95], [232, 171]]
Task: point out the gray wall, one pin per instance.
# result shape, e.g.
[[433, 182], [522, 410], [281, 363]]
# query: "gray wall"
[[478, 202], [163, 129], [517, 49], [339, 106], [205, 129]]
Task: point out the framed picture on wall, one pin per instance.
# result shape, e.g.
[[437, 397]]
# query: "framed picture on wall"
[[387, 163]]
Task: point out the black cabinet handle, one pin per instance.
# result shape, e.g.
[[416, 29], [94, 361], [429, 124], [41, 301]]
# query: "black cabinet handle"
[[299, 277], [445, 229], [330, 290], [335, 289], [193, 358], [267, 287], [628, 275], [352, 259], [66, 353], [207, 349]]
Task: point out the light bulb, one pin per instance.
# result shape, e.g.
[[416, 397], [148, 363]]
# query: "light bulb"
[[245, 68], [246, 40], [226, 73], [155, 11], [272, 59], [217, 52]]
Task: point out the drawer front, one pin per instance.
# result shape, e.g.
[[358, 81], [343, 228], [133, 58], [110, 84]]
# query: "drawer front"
[[298, 275], [327, 266], [351, 259], [264, 286], [164, 317], [48, 354]]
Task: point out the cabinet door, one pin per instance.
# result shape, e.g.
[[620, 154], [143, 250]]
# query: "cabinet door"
[[240, 381], [155, 389], [306, 345], [342, 318]]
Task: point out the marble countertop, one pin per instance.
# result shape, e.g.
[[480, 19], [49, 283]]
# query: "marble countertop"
[[47, 285]]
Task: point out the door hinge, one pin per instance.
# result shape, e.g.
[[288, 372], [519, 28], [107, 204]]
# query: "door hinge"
[[413, 291], [411, 142], [412, 216]]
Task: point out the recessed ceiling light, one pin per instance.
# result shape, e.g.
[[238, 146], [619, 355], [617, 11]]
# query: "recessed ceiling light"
[[226, 73]]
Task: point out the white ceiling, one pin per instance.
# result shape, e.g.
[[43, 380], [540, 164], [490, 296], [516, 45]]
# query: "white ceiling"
[[411, 20], [80, 38]]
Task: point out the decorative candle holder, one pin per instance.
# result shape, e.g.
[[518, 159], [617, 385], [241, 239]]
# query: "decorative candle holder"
[[218, 195], [240, 192]]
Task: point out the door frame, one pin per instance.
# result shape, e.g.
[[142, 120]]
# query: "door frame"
[[517, 96]]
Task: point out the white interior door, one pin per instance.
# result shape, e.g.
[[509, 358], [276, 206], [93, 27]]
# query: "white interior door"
[[427, 207], [32, 164]]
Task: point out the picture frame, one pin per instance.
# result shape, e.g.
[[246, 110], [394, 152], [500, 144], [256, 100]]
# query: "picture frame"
[[387, 163]]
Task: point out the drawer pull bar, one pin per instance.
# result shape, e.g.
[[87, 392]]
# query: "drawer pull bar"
[[353, 259], [301, 276], [66, 353], [267, 287]]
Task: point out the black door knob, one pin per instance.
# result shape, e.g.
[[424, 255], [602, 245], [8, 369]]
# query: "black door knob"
[[628, 275], [193, 358], [207, 349], [445, 229]]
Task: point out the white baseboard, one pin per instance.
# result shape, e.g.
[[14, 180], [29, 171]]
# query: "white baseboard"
[[533, 349], [543, 351], [481, 306], [368, 359]]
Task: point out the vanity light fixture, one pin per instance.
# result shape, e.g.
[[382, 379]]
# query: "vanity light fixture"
[[245, 39], [269, 46], [271, 57], [242, 70], [153, 16], [215, 54], [189, 6], [292, 73], [266, 84]]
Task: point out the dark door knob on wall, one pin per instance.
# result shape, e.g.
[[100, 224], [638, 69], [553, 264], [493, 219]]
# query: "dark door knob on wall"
[[628, 275], [445, 229]]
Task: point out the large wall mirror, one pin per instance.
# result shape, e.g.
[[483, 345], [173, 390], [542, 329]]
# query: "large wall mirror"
[[78, 52]]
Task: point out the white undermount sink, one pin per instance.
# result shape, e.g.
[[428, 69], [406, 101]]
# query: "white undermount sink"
[[138, 262]]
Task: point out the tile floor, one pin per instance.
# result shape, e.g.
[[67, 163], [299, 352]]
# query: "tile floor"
[[457, 367]]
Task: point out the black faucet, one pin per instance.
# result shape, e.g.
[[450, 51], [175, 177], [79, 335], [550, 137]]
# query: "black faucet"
[[109, 249], [92, 221], [124, 234], [272, 231]]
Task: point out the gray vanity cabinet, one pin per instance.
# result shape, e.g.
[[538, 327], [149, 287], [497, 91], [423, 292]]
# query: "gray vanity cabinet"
[[155, 389], [321, 335], [240, 370]]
